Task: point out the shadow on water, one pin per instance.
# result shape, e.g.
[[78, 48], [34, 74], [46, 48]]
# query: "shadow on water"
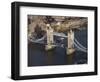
[[52, 58], [49, 57], [69, 59]]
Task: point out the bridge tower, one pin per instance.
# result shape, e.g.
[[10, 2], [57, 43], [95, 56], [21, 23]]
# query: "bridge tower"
[[70, 48], [50, 38]]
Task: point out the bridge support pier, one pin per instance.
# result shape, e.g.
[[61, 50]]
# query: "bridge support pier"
[[70, 48], [50, 38]]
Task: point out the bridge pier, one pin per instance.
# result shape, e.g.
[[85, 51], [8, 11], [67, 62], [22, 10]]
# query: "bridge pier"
[[70, 48], [50, 38]]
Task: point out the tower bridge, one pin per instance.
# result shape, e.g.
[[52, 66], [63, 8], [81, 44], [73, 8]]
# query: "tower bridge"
[[72, 42]]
